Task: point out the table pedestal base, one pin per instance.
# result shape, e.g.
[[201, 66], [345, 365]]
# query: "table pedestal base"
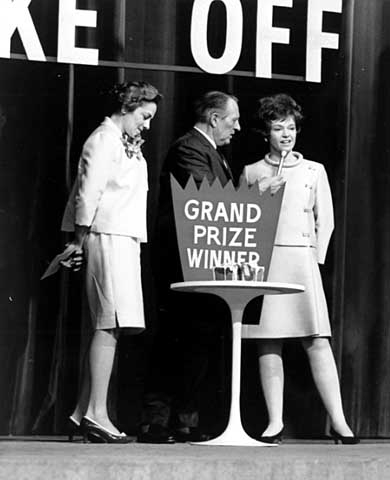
[[236, 437], [237, 295]]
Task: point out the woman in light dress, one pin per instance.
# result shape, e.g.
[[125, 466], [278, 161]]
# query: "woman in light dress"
[[107, 213], [304, 230]]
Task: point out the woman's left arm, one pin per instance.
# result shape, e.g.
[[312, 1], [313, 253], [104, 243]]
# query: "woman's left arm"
[[323, 212]]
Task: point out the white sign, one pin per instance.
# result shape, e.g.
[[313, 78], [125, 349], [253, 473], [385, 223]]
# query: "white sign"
[[15, 16], [199, 29], [266, 36]]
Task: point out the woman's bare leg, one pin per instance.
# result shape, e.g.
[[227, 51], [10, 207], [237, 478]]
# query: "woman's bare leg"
[[101, 359], [323, 367], [83, 399], [272, 382]]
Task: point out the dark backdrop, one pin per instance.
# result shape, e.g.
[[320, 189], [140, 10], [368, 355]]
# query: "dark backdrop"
[[51, 108]]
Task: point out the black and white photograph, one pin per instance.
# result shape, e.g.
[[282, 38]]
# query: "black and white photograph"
[[195, 233]]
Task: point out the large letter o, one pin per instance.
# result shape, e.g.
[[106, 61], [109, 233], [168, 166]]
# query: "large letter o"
[[199, 47]]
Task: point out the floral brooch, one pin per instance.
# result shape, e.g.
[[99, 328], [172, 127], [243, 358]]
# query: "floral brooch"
[[132, 145]]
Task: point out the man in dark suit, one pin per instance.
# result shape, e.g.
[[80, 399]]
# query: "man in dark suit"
[[196, 325], [196, 153]]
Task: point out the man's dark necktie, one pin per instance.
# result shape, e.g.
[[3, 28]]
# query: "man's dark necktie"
[[225, 165]]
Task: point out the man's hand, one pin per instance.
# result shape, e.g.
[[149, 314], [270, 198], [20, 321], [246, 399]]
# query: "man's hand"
[[271, 183]]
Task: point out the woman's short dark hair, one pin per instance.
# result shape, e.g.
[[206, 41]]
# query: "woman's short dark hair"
[[277, 107], [127, 97], [209, 101]]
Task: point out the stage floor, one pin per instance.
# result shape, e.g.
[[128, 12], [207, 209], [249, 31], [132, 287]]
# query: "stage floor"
[[30, 458]]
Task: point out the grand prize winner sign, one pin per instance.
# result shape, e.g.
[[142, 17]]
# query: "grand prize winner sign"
[[220, 227]]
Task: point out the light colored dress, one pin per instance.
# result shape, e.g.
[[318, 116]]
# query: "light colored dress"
[[304, 230], [109, 196]]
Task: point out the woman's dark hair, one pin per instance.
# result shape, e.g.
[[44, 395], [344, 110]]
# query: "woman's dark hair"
[[276, 107], [127, 97]]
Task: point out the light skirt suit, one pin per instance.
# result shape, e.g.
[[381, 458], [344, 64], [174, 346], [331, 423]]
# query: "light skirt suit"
[[304, 230], [109, 196]]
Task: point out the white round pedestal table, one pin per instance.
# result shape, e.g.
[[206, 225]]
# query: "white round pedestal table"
[[237, 294]]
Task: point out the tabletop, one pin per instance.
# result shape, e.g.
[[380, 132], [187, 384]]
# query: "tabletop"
[[261, 288]]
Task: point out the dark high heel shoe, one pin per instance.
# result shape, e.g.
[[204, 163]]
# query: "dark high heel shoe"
[[72, 428], [95, 433], [344, 440], [277, 438]]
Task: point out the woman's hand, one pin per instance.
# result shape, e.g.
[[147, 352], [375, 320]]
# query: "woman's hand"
[[271, 183], [74, 257]]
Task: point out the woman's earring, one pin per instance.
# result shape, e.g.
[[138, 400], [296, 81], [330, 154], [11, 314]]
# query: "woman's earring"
[[266, 140]]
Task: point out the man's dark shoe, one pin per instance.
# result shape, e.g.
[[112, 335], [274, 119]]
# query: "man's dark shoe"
[[190, 434], [156, 434]]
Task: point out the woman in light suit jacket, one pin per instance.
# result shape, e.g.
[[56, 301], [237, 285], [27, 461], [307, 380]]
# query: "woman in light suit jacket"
[[107, 213], [304, 230]]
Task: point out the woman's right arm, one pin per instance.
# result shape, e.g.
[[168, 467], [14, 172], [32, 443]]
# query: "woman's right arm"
[[271, 183], [244, 177], [92, 180], [265, 183], [93, 173]]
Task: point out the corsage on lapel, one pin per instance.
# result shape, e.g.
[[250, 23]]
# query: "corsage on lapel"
[[133, 145]]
